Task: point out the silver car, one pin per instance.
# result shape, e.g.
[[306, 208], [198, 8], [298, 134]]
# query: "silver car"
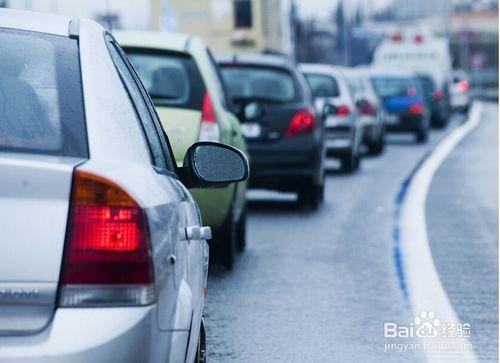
[[103, 257], [344, 129], [460, 91], [371, 110]]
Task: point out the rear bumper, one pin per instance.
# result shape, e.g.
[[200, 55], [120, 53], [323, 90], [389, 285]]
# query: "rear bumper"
[[459, 100], [284, 164], [98, 335], [372, 128], [407, 123], [340, 135]]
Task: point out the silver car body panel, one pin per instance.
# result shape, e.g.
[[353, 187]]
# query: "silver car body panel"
[[118, 151]]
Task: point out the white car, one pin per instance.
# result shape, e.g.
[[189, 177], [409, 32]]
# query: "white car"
[[103, 257], [460, 91]]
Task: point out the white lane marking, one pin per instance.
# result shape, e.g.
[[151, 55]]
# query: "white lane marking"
[[425, 290]]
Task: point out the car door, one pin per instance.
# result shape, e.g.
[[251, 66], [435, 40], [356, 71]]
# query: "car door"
[[189, 255]]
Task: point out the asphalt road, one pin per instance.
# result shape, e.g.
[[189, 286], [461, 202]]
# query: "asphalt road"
[[462, 221], [318, 286]]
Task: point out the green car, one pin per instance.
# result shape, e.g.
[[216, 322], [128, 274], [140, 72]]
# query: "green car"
[[186, 87]]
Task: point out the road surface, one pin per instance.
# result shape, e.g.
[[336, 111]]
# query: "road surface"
[[319, 286]]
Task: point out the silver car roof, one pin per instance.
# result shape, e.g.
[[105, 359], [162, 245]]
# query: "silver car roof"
[[32, 21]]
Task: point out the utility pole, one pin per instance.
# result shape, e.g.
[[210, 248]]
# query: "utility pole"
[[347, 35]]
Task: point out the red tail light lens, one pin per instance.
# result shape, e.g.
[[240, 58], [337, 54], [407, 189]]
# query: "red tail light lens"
[[107, 246], [419, 39], [397, 37], [207, 111], [209, 128], [343, 111], [463, 85], [302, 123], [416, 109], [437, 95], [367, 109]]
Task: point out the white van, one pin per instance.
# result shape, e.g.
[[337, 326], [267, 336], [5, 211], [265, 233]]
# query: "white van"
[[427, 56], [416, 51]]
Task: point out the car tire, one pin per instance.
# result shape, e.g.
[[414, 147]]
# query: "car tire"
[[440, 122], [377, 148], [465, 109], [241, 231], [311, 196], [422, 135], [227, 240], [351, 162], [201, 350]]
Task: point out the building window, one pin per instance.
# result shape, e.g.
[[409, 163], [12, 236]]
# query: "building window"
[[242, 14]]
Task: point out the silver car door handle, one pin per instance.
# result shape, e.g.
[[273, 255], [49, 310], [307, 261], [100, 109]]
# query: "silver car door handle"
[[195, 232]]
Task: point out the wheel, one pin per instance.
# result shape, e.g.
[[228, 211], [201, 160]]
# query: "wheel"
[[440, 122], [241, 231], [321, 192], [226, 240], [311, 195], [377, 148], [422, 135], [351, 162], [201, 350]]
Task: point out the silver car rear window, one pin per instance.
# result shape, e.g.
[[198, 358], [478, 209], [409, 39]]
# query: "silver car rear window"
[[41, 102], [322, 85]]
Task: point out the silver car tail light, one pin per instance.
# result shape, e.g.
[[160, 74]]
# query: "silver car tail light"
[[107, 257]]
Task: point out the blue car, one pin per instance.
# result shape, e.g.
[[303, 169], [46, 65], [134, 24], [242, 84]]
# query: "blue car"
[[404, 103]]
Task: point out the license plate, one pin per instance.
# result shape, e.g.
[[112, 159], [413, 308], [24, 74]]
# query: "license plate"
[[250, 130], [392, 119]]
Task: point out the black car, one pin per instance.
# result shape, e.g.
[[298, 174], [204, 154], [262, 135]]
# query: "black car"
[[437, 99], [285, 135]]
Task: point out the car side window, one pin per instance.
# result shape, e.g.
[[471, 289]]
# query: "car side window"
[[160, 151]]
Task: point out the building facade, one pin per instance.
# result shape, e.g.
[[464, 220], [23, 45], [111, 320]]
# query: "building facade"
[[114, 14], [231, 25]]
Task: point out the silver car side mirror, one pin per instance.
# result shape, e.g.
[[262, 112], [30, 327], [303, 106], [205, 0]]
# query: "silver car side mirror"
[[209, 164]]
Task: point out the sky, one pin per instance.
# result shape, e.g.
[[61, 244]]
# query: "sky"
[[323, 8]]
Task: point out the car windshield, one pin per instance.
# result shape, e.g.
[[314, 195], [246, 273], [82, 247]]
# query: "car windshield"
[[322, 85], [393, 86], [41, 102], [259, 83], [172, 79]]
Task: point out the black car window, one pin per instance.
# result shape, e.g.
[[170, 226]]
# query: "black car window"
[[171, 78], [160, 151], [41, 100], [267, 84]]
